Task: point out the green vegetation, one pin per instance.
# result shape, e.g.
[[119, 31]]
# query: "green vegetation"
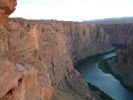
[[104, 65], [103, 95], [82, 61], [120, 46], [21, 37]]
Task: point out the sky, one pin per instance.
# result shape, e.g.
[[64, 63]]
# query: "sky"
[[73, 10]]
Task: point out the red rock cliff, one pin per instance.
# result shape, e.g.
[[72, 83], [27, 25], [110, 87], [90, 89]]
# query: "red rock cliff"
[[50, 48], [6, 8], [60, 43], [44, 45], [20, 81], [35, 61]]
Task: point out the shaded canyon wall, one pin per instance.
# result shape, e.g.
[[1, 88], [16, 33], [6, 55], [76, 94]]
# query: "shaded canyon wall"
[[120, 33]]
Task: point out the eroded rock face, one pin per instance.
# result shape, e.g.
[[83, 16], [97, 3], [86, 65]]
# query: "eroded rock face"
[[24, 53], [126, 56], [6, 8], [20, 80], [73, 84], [52, 47], [27, 51], [85, 40], [58, 44], [119, 33]]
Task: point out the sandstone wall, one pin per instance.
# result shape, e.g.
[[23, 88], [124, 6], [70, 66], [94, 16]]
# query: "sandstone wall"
[[20, 81], [6, 8], [86, 40], [120, 33], [59, 43], [52, 46]]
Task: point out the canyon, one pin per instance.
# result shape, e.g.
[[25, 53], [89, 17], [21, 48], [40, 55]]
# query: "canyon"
[[38, 57], [51, 48], [122, 66]]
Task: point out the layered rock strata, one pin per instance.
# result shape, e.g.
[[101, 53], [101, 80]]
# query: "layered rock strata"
[[51, 47], [20, 81], [37, 57], [119, 33], [59, 43]]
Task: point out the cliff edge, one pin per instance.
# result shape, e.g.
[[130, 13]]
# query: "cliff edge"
[[35, 63]]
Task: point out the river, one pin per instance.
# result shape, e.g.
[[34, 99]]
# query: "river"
[[105, 82]]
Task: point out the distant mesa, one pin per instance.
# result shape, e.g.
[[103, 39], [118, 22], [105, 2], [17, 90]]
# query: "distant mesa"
[[110, 20]]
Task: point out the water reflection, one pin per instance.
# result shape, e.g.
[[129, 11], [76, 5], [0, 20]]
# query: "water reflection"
[[105, 82]]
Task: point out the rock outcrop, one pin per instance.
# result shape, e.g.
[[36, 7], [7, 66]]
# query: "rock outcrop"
[[20, 81], [6, 8]]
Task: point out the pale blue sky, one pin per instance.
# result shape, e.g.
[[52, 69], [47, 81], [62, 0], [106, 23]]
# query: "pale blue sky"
[[73, 10]]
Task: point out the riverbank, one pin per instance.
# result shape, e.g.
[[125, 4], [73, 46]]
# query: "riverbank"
[[98, 94], [120, 72], [105, 82], [82, 61]]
